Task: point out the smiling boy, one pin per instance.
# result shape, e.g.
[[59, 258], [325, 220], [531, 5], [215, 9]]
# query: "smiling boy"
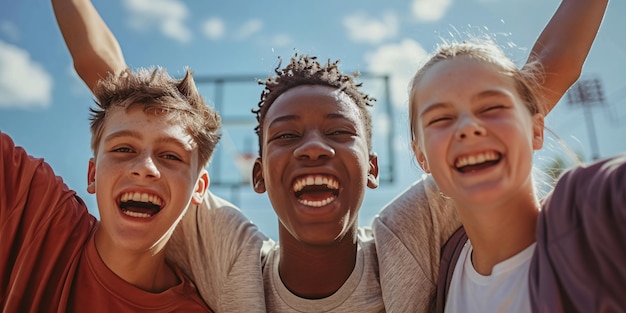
[[215, 244], [315, 164], [152, 136]]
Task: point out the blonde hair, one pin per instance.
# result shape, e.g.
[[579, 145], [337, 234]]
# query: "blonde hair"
[[527, 81]]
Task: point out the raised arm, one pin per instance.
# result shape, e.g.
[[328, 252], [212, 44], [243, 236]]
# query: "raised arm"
[[91, 43], [564, 45]]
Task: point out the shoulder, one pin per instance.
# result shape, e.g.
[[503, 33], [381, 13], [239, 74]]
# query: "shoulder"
[[607, 171], [588, 198], [419, 212], [598, 182], [414, 195], [220, 216]]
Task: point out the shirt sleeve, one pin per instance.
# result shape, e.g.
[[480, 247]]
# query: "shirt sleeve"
[[409, 234], [32, 194], [43, 227], [221, 250], [579, 261]]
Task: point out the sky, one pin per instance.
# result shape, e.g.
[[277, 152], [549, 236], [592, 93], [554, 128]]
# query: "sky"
[[44, 105]]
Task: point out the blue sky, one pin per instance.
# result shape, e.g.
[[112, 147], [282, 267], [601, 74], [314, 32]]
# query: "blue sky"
[[43, 103]]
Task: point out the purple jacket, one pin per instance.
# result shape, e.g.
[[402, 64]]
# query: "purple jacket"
[[579, 264]]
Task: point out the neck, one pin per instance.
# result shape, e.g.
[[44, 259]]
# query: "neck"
[[316, 271], [500, 231], [143, 270]]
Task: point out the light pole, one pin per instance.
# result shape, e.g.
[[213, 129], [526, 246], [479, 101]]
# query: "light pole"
[[588, 93]]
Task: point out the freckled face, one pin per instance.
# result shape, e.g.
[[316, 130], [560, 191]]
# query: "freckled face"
[[315, 164], [145, 173], [476, 136]]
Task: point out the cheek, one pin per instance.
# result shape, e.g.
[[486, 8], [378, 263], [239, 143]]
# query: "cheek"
[[430, 142]]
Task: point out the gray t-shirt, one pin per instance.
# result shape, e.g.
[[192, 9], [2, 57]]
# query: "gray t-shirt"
[[409, 232], [360, 293], [220, 250]]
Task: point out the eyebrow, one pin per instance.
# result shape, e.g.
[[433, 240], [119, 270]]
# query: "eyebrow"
[[283, 118], [481, 95], [434, 106], [286, 118], [137, 135]]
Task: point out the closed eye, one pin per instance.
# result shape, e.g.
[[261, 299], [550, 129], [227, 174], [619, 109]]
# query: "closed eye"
[[341, 132], [286, 136], [439, 119], [122, 149], [493, 108]]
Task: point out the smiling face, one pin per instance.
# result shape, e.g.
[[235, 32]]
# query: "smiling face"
[[474, 133], [145, 173], [315, 163]]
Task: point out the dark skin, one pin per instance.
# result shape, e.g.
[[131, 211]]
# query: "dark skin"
[[314, 131], [315, 272]]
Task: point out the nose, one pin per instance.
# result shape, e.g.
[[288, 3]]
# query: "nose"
[[314, 147], [144, 166], [469, 127]]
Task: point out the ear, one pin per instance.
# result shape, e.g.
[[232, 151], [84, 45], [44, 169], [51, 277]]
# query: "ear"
[[201, 187], [258, 183], [372, 173], [419, 156], [538, 127], [91, 176]]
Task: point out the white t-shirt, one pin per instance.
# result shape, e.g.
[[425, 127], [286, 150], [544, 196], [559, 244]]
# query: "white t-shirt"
[[360, 293], [505, 290]]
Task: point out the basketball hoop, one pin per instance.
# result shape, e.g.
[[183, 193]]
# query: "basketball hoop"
[[245, 163]]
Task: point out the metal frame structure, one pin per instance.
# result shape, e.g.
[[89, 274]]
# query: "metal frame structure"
[[220, 102]]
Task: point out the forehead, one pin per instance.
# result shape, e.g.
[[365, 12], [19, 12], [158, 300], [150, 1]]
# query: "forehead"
[[461, 76], [308, 101], [136, 122]]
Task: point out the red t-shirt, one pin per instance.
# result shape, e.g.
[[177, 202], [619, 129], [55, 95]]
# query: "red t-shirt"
[[48, 259]]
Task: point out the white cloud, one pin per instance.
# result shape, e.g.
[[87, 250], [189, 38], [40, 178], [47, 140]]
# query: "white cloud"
[[363, 28], [250, 28], [281, 40], [430, 10], [10, 30], [213, 28], [168, 15], [23, 82], [400, 61]]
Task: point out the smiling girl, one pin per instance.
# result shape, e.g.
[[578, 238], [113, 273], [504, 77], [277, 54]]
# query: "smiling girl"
[[476, 121]]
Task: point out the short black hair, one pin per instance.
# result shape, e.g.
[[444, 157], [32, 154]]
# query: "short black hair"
[[306, 70]]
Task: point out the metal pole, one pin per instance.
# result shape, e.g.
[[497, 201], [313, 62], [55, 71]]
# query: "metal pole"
[[592, 132]]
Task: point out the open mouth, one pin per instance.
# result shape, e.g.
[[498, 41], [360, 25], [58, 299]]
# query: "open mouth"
[[316, 190], [141, 205], [475, 162]]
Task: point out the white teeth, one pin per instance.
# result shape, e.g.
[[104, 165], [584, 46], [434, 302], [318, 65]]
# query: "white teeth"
[[476, 159], [136, 214], [319, 203], [140, 197], [315, 180]]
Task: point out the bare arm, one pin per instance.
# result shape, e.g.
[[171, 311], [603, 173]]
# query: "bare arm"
[[91, 43], [564, 45]]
